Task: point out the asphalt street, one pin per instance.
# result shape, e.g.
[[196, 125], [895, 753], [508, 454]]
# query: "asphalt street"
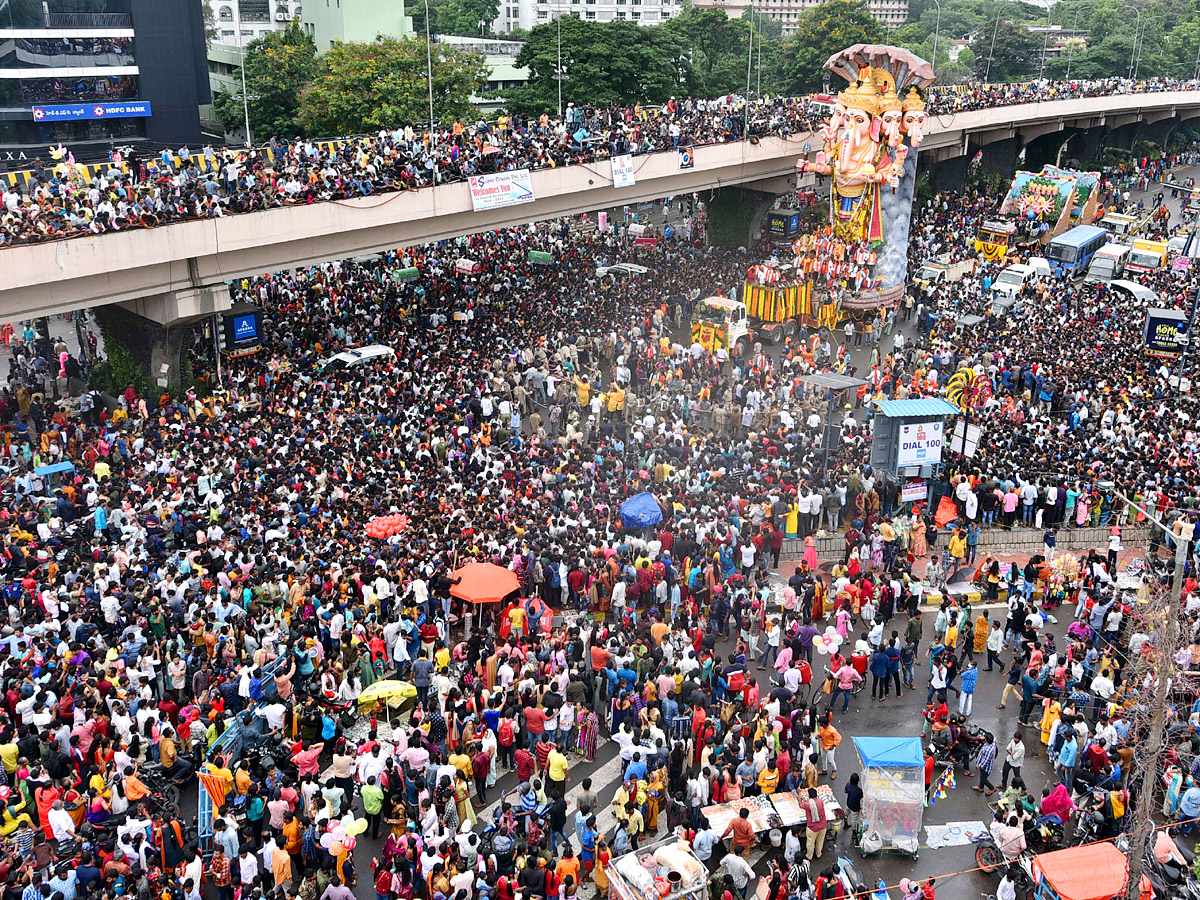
[[865, 717]]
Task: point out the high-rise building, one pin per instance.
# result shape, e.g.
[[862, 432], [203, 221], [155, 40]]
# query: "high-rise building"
[[891, 13], [126, 72], [360, 21], [238, 22], [528, 13]]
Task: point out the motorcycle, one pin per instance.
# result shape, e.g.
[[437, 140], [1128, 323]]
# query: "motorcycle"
[[991, 858]]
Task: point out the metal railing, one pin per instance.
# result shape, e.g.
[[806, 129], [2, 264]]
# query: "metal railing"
[[90, 20]]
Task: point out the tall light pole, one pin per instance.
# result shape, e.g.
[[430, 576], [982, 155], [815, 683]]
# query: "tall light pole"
[[1137, 25], [1141, 43], [937, 30], [1045, 45], [746, 98], [237, 24], [1070, 42], [429, 81], [987, 74]]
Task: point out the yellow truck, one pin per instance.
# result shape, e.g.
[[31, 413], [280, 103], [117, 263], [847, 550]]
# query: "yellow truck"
[[1146, 256], [996, 239], [766, 314]]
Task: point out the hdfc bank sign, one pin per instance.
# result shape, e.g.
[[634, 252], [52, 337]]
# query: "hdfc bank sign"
[[920, 444]]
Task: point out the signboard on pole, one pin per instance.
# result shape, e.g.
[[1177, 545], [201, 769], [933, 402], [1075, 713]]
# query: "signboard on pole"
[[500, 189], [913, 492], [1166, 332], [622, 171], [920, 443]]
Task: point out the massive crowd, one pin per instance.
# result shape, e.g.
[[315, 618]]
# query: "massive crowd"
[[204, 564], [60, 201]]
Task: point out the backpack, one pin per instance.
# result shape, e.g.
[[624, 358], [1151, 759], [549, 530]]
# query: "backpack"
[[504, 733]]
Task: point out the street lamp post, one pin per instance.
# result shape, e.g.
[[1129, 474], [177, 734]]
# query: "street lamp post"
[[1137, 25], [237, 24], [987, 74], [937, 30], [1045, 45], [1141, 43], [1070, 42], [429, 81]]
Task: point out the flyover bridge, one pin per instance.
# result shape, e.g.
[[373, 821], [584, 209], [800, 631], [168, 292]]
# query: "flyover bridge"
[[179, 272]]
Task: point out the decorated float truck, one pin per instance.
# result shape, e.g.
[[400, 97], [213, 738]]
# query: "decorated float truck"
[[764, 314], [1038, 207]]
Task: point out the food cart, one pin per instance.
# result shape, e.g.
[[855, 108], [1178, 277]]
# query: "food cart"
[[1087, 872], [893, 794], [665, 870], [780, 810]]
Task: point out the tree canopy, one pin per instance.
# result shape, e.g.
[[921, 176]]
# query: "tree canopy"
[[822, 31], [365, 87], [1005, 52], [278, 65], [602, 62]]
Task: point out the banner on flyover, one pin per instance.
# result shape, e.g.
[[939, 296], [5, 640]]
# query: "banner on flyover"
[[920, 443], [622, 171], [500, 189]]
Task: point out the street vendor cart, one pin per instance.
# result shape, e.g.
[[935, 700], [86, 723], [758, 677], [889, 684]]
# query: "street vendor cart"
[[665, 870], [893, 794]]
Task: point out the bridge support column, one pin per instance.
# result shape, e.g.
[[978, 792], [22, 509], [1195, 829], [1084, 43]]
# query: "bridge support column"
[[1000, 157], [947, 174], [1086, 146], [735, 215], [153, 328]]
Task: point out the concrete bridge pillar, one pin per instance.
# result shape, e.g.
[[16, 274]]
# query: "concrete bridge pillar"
[[1000, 157], [1085, 146], [154, 327], [946, 174], [1122, 137]]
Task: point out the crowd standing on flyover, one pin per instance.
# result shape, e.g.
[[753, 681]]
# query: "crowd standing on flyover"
[[60, 200], [204, 562]]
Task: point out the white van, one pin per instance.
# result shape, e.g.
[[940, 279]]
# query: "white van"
[[357, 356], [1107, 264], [1133, 289]]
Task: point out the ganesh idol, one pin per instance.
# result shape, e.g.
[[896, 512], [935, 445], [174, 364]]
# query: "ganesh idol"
[[863, 163]]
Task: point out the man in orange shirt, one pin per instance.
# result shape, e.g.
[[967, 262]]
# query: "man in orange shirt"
[[741, 829]]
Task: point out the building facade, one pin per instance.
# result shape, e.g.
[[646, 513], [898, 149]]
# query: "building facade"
[[333, 21], [500, 58], [128, 72], [892, 13], [529, 13], [238, 22]]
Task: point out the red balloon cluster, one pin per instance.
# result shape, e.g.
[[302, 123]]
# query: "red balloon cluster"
[[383, 527]]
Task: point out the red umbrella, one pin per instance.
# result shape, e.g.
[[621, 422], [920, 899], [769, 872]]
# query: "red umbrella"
[[483, 583]]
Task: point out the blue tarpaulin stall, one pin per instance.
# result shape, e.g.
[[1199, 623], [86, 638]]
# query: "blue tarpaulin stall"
[[641, 511], [893, 793]]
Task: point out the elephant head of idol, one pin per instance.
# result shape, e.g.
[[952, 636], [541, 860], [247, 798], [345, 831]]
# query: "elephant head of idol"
[[914, 117]]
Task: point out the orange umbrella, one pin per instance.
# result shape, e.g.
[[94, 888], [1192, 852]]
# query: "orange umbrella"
[[483, 583]]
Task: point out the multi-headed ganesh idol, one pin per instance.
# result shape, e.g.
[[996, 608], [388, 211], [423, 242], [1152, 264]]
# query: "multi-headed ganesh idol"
[[861, 157]]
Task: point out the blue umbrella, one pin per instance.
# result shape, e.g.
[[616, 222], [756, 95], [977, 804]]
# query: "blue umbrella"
[[641, 511]]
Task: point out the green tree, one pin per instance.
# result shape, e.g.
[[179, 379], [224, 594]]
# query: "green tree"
[[364, 87], [467, 17], [602, 62], [278, 65], [821, 32], [1110, 57], [717, 47], [1014, 53]]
